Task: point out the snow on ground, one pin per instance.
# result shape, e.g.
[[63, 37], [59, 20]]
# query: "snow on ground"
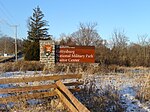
[[126, 87], [130, 102]]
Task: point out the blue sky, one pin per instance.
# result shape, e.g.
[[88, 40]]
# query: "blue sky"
[[64, 16]]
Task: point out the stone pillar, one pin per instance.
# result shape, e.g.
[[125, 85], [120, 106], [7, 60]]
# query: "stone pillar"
[[47, 52]]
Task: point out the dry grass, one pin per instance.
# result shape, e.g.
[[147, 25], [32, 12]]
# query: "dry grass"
[[96, 100], [22, 66], [43, 105], [90, 68], [57, 68], [99, 100], [144, 92], [51, 104]]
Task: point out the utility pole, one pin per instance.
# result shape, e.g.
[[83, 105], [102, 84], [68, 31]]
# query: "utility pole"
[[15, 26]]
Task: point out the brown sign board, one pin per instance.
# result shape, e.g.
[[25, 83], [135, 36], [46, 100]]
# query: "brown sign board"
[[74, 54]]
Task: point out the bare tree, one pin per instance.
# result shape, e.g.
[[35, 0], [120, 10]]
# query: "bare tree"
[[119, 39], [119, 49], [144, 43], [143, 39], [87, 35], [66, 40]]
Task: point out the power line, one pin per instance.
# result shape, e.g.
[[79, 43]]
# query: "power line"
[[7, 14], [5, 22]]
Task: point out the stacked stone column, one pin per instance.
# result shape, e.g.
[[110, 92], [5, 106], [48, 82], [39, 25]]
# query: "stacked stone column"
[[47, 59]]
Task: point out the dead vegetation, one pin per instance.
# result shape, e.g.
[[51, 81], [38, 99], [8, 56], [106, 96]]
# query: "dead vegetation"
[[143, 93], [58, 68], [96, 99], [49, 104], [99, 100], [21, 66]]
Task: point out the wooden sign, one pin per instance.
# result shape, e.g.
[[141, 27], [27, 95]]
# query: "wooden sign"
[[75, 54]]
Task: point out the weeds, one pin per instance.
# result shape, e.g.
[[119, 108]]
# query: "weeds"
[[143, 93], [95, 97], [99, 100], [49, 104], [22, 66]]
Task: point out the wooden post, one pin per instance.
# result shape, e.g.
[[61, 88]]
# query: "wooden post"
[[77, 104], [66, 102]]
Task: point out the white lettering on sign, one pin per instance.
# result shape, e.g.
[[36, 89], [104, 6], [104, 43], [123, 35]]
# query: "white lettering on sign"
[[89, 56], [67, 47], [73, 60], [67, 51], [65, 56], [63, 60], [78, 56], [83, 54]]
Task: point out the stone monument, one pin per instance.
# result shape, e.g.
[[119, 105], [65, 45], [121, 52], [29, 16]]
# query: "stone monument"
[[47, 52]]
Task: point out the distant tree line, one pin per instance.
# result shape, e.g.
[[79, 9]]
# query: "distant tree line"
[[7, 45], [117, 51]]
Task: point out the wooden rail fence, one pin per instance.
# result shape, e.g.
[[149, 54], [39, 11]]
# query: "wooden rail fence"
[[56, 87]]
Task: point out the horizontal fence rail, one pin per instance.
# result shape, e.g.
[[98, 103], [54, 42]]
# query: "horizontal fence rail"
[[39, 78], [32, 88], [55, 88], [80, 107], [27, 96]]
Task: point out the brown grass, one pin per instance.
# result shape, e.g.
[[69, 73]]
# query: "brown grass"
[[51, 104], [143, 93], [99, 100], [96, 100], [90, 68], [42, 105], [22, 66]]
